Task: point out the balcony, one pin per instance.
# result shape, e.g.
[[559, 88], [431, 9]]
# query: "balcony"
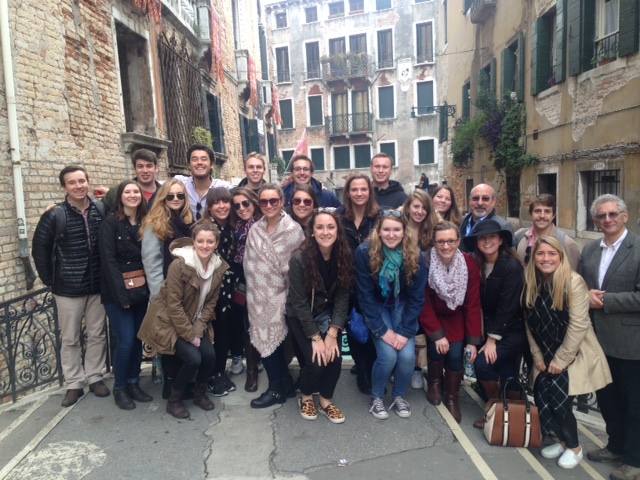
[[346, 65], [349, 123], [606, 49], [192, 14], [481, 10]]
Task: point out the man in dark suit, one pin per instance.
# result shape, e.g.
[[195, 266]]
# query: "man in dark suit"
[[611, 268]]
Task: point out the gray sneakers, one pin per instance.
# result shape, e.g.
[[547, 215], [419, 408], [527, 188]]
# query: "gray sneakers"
[[376, 408], [401, 407]]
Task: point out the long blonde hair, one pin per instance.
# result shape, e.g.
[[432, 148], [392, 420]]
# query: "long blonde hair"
[[558, 283], [410, 252], [160, 214], [425, 229]]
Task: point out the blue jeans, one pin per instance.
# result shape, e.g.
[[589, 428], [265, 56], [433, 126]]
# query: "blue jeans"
[[453, 360], [390, 360], [127, 356]]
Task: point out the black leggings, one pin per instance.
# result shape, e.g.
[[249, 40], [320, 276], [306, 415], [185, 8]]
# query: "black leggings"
[[276, 367], [566, 426], [200, 360]]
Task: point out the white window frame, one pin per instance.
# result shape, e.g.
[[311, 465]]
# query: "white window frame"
[[378, 87], [275, 20], [395, 149], [416, 151], [435, 95], [275, 56], [393, 49], [333, 157], [352, 157], [304, 56], [433, 41], [321, 110], [293, 113], [317, 14], [324, 152]]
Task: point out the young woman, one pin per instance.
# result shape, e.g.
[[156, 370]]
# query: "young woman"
[[501, 284], [444, 201], [219, 212], [321, 276], [303, 203], [359, 215], [391, 277], [270, 244], [125, 304], [451, 316], [246, 212], [178, 321], [568, 359]]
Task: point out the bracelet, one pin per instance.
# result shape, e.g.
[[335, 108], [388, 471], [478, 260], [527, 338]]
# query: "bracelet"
[[316, 337], [331, 335]]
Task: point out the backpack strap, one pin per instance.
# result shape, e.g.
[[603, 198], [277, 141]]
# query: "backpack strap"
[[102, 208], [60, 220]]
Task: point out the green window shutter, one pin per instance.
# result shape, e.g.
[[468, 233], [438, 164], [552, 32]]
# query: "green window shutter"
[[561, 46], [315, 110], [286, 113], [508, 71], [390, 149], [341, 157], [467, 5], [520, 67], [363, 155], [385, 102], [581, 24], [425, 97], [254, 136], [574, 50], [494, 75], [317, 157], [588, 34], [444, 124], [426, 154], [540, 67], [628, 30]]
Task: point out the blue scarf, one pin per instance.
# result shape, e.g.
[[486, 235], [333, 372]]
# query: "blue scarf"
[[390, 272]]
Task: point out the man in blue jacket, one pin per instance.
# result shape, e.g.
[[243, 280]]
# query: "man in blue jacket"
[[302, 172]]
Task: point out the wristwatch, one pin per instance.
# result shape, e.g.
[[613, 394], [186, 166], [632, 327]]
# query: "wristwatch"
[[316, 338]]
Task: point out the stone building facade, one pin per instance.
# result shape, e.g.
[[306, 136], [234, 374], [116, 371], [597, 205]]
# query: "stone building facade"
[[98, 79]]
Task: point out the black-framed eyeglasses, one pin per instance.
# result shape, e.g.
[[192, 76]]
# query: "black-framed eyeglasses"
[[527, 255], [325, 210], [242, 204], [269, 201], [477, 198], [302, 169], [390, 213], [307, 201], [450, 242], [198, 208], [171, 196], [603, 216]]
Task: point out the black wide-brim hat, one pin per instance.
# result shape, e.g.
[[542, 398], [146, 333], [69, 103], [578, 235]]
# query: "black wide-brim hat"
[[486, 227]]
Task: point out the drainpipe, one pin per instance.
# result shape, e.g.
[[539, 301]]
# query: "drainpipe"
[[12, 117]]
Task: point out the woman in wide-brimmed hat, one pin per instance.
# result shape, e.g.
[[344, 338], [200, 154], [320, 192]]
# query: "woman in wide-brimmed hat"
[[502, 281]]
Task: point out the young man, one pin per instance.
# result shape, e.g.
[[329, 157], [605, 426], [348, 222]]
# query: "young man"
[[389, 193], [302, 172], [70, 264], [200, 158], [611, 268], [481, 203], [254, 168], [542, 211]]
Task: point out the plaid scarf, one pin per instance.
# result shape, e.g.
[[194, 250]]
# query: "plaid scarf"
[[549, 327]]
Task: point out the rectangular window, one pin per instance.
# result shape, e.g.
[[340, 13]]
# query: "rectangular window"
[[313, 59], [596, 183], [286, 155], [424, 42], [363, 155], [543, 54], [336, 9], [607, 26], [425, 97], [358, 43], [426, 152], [466, 100], [383, 4], [315, 110], [341, 158], [282, 62], [311, 14], [386, 102], [360, 111], [281, 20], [286, 113], [513, 68], [390, 149], [339, 113], [337, 46], [422, 1], [317, 157], [385, 49], [356, 6], [214, 111]]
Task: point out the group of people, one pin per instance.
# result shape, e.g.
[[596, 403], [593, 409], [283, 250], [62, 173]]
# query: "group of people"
[[198, 271]]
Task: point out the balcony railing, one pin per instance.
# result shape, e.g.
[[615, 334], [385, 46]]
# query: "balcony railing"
[[349, 123], [346, 65], [385, 61], [313, 71], [606, 48], [481, 9]]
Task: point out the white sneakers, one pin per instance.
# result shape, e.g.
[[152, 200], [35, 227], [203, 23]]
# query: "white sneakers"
[[417, 380], [567, 459]]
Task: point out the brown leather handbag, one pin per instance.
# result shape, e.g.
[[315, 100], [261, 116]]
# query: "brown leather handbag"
[[512, 423], [135, 279]]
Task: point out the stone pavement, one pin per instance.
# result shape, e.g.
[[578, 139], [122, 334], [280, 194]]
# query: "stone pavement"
[[96, 440]]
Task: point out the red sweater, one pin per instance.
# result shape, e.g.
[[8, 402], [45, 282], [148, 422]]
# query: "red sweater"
[[462, 324]]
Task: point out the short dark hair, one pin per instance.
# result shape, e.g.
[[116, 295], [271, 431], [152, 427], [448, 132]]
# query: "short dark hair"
[[546, 200], [71, 169], [144, 154], [301, 156], [382, 155], [205, 225], [197, 146]]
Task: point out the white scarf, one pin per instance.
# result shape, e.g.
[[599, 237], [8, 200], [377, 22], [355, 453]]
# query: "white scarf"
[[449, 283]]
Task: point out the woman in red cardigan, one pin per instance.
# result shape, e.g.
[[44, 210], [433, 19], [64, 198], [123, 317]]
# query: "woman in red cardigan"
[[451, 316]]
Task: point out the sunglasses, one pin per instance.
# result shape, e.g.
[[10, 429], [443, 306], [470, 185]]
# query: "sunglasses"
[[441, 243], [527, 255], [307, 201], [325, 210], [242, 204], [171, 196], [603, 216], [391, 213], [269, 201], [198, 208], [477, 198]]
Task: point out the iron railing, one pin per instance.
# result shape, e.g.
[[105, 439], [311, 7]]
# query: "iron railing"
[[349, 123], [607, 47], [347, 65]]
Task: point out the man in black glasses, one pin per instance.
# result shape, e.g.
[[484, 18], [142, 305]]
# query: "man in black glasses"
[[611, 268], [481, 203], [200, 158], [543, 211], [389, 193], [301, 173]]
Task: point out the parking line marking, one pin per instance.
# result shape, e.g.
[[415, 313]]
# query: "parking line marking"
[[26, 414], [599, 443], [590, 470], [535, 464]]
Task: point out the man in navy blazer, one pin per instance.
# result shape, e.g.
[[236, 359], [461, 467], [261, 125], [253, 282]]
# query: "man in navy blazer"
[[611, 268]]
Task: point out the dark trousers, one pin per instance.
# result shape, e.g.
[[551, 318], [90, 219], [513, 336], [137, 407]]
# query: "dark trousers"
[[312, 375], [364, 354], [276, 367], [566, 427], [194, 360], [237, 330], [453, 359], [127, 356], [222, 329], [619, 404], [508, 350]]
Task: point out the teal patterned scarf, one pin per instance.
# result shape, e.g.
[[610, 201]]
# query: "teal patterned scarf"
[[390, 272]]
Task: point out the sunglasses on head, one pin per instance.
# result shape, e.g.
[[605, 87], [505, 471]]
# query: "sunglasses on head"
[[242, 204], [391, 213], [269, 201], [307, 201], [171, 196], [325, 210]]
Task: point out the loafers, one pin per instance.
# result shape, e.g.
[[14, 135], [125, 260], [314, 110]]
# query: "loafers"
[[72, 396], [99, 389], [625, 472], [552, 451], [569, 459], [122, 399]]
